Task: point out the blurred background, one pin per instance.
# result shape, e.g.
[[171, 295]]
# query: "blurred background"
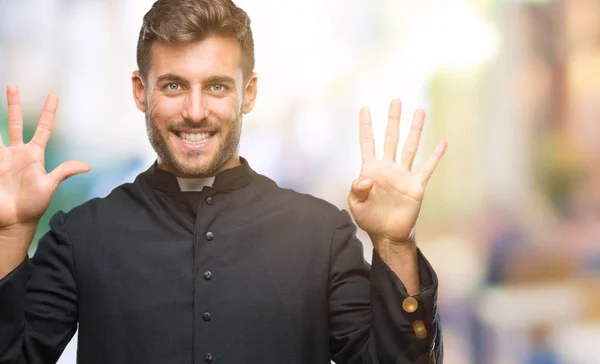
[[511, 221]]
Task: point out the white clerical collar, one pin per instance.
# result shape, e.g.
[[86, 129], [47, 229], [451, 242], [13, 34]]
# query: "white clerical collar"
[[194, 184]]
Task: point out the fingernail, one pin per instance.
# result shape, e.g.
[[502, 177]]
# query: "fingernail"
[[52, 99], [364, 182]]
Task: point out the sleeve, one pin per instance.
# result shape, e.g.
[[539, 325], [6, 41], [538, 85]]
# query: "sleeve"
[[372, 319], [38, 302]]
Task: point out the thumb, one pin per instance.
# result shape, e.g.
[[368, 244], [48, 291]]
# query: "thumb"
[[360, 189], [66, 170]]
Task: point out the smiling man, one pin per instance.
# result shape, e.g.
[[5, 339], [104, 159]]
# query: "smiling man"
[[201, 259], [194, 96]]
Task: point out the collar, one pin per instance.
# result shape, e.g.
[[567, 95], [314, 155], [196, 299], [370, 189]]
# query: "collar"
[[225, 181], [194, 184]]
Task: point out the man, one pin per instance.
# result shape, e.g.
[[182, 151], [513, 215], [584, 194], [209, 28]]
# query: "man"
[[201, 259]]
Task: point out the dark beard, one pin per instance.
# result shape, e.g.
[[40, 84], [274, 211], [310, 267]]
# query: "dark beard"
[[200, 170]]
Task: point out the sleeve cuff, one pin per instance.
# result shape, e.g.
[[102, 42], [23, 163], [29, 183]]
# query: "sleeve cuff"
[[418, 313], [427, 278]]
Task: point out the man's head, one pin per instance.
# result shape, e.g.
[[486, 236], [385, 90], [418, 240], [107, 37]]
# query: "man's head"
[[195, 80]]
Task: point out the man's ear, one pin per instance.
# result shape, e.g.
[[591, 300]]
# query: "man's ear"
[[250, 93], [138, 88]]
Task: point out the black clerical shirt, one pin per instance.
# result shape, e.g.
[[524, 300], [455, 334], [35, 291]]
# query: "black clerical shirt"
[[241, 272]]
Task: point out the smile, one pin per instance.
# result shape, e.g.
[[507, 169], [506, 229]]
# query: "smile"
[[194, 138], [194, 141]]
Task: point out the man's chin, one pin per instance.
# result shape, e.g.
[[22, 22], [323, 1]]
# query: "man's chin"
[[196, 166], [193, 170]]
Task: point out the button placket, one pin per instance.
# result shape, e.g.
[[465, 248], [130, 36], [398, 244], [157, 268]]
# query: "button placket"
[[207, 275], [201, 315]]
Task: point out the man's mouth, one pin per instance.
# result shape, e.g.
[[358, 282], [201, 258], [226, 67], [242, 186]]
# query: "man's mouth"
[[194, 138]]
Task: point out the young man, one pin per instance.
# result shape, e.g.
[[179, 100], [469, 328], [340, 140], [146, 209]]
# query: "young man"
[[201, 259]]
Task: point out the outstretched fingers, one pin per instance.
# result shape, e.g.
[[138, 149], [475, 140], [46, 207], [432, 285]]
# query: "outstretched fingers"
[[432, 162], [367, 141], [15, 116], [66, 170], [392, 131], [44, 128], [411, 145]]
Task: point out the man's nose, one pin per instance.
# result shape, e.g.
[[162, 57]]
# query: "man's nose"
[[195, 107]]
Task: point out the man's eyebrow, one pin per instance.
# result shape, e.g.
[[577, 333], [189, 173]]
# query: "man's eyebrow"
[[170, 77], [220, 79]]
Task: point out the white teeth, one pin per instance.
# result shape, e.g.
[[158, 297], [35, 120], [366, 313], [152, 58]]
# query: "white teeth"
[[194, 138]]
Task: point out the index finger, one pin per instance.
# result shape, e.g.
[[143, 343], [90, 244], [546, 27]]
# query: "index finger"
[[15, 117], [44, 128], [367, 142]]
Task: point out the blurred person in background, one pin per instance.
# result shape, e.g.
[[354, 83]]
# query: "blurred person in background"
[[542, 351], [202, 259]]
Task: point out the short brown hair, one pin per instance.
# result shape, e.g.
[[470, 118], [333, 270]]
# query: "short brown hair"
[[180, 21]]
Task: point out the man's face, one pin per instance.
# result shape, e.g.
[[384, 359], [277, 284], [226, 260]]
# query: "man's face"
[[194, 98]]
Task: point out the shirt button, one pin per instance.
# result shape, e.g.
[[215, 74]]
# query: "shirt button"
[[419, 329], [206, 316], [209, 200], [410, 304], [209, 236], [208, 358], [207, 275]]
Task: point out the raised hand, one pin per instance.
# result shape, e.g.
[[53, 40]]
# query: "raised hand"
[[386, 199], [25, 187]]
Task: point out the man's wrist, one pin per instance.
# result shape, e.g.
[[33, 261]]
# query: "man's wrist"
[[402, 260], [14, 245]]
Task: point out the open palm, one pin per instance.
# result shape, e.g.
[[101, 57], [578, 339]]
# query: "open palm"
[[386, 198], [25, 187]]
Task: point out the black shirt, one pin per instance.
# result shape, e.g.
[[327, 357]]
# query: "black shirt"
[[241, 272]]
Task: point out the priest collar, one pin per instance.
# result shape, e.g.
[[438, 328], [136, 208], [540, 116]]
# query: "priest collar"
[[225, 181]]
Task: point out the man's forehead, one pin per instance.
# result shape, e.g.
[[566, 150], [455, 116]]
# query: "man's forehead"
[[208, 56]]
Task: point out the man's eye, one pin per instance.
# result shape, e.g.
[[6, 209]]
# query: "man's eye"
[[217, 88], [173, 87]]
